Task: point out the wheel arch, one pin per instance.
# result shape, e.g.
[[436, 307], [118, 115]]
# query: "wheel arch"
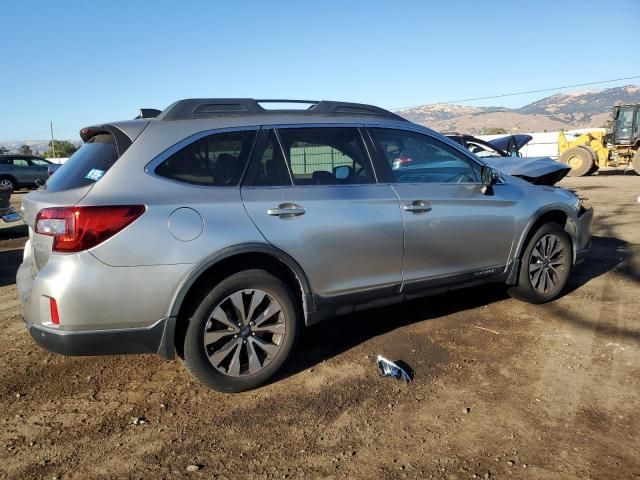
[[232, 260], [10, 177], [552, 213]]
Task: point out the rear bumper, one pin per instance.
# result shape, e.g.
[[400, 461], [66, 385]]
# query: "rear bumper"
[[158, 339], [102, 310]]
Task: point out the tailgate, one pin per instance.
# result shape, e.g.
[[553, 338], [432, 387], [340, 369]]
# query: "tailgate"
[[71, 183]]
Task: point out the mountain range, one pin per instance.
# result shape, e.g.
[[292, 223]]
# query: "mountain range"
[[563, 111]]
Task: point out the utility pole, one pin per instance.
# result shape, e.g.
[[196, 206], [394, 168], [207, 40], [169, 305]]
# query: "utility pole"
[[53, 144]]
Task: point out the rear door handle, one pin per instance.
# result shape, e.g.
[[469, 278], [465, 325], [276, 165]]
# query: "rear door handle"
[[417, 206], [286, 210]]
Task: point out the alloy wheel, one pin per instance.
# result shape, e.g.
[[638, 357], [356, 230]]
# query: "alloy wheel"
[[244, 332], [547, 263]]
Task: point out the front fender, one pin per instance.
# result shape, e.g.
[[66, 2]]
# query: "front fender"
[[570, 226]]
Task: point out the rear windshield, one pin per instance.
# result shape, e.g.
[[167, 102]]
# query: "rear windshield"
[[87, 165]]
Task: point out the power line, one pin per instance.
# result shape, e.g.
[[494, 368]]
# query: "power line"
[[521, 93], [27, 137], [31, 136]]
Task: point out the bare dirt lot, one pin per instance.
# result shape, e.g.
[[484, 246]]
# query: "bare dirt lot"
[[549, 391]]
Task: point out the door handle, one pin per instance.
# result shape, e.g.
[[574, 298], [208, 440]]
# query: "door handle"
[[417, 206], [286, 210]]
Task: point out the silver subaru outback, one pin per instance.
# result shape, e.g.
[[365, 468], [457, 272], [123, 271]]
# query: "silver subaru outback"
[[218, 228]]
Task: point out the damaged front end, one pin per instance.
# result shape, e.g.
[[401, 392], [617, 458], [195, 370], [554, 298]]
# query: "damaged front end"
[[536, 170]]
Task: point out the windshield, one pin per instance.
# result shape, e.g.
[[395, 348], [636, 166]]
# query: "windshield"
[[87, 165]]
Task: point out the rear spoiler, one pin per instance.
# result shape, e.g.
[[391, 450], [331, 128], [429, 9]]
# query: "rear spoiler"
[[122, 139], [148, 113]]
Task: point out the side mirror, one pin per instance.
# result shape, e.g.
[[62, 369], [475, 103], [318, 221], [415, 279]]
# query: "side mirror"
[[489, 178], [342, 172]]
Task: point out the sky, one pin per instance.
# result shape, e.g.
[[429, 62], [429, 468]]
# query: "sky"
[[77, 63]]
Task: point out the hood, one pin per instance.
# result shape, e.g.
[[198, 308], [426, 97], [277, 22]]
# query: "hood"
[[537, 170], [506, 144]]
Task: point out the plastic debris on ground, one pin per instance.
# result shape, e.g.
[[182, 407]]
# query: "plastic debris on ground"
[[397, 369]]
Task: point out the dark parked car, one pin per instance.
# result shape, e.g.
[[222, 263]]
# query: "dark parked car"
[[508, 146], [23, 171], [504, 154]]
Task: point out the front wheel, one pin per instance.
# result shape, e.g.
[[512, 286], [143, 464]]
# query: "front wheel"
[[545, 266], [580, 159], [242, 332]]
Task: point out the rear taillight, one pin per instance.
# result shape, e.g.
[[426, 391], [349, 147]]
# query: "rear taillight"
[[79, 228]]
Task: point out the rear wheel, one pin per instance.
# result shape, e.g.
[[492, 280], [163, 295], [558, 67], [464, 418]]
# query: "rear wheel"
[[636, 161], [242, 332], [7, 182], [579, 159], [545, 265]]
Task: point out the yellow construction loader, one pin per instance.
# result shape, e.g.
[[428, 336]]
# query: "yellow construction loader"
[[618, 147]]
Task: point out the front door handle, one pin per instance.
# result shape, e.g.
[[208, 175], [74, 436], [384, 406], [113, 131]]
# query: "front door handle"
[[286, 210], [417, 206]]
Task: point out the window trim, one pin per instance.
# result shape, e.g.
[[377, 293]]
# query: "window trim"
[[150, 168], [359, 127], [388, 172], [256, 157]]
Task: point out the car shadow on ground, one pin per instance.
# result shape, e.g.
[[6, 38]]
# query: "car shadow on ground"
[[339, 334], [606, 254], [629, 171]]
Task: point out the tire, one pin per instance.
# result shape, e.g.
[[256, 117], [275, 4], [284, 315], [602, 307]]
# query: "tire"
[[636, 161], [553, 266], [8, 182], [231, 358], [579, 159]]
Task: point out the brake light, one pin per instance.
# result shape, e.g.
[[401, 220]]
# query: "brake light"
[[79, 228], [55, 318]]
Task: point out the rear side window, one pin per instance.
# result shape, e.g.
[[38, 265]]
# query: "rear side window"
[[326, 156], [87, 165], [215, 160]]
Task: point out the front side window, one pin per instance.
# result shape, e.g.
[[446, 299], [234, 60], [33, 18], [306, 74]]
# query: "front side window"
[[417, 158], [215, 160], [326, 156]]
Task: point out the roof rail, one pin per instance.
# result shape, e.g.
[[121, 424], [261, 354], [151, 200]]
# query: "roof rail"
[[214, 107]]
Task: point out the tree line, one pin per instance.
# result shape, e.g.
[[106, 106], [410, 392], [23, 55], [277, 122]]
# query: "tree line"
[[62, 148]]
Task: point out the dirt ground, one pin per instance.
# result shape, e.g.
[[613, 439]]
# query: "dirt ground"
[[502, 389]]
